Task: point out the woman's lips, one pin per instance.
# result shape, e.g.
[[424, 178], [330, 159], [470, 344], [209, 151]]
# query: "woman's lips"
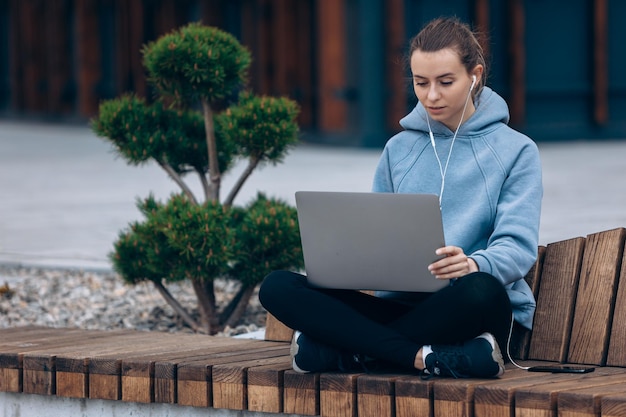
[[436, 110]]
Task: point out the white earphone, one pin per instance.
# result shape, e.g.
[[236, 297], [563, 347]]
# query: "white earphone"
[[444, 169]]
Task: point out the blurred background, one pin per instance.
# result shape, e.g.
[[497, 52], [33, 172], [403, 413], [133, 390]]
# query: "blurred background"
[[560, 65]]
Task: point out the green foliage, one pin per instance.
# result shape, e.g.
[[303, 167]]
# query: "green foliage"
[[267, 238], [184, 238], [197, 62], [261, 127], [181, 240], [141, 132]]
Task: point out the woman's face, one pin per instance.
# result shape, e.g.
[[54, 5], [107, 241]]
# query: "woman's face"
[[442, 84]]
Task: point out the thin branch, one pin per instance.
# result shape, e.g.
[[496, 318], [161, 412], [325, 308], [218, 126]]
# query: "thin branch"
[[205, 184], [178, 180], [178, 308], [214, 169], [237, 306], [252, 164]]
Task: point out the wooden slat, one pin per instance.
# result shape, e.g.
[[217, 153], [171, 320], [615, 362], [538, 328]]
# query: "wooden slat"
[[613, 405], [520, 340], [195, 377], [166, 368], [72, 362], [138, 371], [586, 402], [617, 341], [265, 386], [338, 394], [229, 380], [376, 395], [413, 397], [595, 300], [275, 330], [455, 397], [39, 375], [105, 370], [301, 393], [541, 400], [497, 398], [555, 301], [12, 354]]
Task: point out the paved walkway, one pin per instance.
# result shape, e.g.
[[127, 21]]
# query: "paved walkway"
[[64, 195]]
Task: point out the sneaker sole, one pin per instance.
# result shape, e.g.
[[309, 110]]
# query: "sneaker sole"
[[496, 353], [293, 351]]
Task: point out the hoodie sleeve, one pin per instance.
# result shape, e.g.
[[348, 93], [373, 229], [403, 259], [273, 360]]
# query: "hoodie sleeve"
[[512, 247], [382, 182]]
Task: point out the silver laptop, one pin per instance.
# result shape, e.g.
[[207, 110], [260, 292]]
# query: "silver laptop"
[[370, 241]]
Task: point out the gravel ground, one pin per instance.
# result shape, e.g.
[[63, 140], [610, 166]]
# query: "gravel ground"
[[101, 300]]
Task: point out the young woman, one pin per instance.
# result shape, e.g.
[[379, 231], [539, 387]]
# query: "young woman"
[[455, 143]]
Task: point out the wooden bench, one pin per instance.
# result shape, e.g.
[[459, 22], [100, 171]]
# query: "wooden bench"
[[580, 319]]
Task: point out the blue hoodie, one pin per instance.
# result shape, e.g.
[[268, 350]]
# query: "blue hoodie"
[[491, 203]]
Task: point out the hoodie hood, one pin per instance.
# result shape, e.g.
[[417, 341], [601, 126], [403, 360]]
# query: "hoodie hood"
[[491, 111]]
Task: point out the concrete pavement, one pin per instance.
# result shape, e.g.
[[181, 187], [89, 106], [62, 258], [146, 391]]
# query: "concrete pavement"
[[64, 195]]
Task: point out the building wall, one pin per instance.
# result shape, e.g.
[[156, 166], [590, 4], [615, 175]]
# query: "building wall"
[[559, 66]]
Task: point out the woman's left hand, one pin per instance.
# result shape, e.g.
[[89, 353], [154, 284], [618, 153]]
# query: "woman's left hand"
[[455, 263]]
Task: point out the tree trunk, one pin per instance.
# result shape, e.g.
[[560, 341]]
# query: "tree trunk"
[[214, 169]]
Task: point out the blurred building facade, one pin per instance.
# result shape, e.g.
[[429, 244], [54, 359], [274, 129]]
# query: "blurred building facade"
[[559, 65]]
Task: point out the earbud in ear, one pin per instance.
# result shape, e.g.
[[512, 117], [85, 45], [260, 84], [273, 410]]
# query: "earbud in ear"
[[473, 82]]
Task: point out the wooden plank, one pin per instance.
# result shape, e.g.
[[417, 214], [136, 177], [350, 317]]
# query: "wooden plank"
[[455, 397], [586, 402], [413, 396], [376, 395], [166, 368], [39, 375], [617, 340], [72, 363], [138, 371], [595, 299], [338, 394], [520, 339], [12, 356], [105, 371], [555, 301], [613, 405], [229, 379], [497, 398], [301, 393], [195, 377], [265, 386], [541, 400], [275, 330]]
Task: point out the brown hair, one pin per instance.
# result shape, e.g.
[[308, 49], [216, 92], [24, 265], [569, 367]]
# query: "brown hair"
[[450, 32]]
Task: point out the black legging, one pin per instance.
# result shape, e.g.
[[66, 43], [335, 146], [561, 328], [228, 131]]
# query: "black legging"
[[386, 329]]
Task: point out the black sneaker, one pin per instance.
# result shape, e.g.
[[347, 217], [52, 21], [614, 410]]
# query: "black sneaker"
[[308, 355], [479, 357]]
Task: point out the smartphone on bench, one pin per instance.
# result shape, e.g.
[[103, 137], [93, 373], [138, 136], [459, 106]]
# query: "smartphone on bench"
[[562, 369]]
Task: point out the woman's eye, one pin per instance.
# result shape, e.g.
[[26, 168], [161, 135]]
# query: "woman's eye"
[[420, 83], [446, 83]]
